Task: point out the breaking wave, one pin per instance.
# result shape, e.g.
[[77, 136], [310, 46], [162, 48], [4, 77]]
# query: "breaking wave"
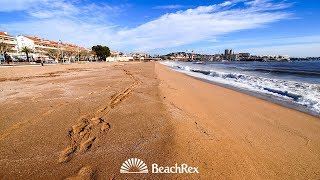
[[300, 93]]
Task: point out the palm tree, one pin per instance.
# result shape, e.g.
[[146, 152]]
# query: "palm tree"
[[27, 51]]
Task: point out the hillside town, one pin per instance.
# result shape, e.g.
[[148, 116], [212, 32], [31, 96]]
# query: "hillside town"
[[228, 55]]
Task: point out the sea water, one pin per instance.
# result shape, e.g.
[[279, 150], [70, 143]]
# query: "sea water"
[[293, 84]]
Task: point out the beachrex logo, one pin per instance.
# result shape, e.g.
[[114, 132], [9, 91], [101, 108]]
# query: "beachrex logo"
[[135, 165]]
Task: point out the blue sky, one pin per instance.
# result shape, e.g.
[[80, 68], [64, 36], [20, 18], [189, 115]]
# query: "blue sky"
[[285, 27]]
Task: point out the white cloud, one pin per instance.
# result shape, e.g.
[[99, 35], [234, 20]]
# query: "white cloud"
[[18, 5], [176, 6], [53, 9], [67, 30], [226, 3], [74, 23], [194, 25]]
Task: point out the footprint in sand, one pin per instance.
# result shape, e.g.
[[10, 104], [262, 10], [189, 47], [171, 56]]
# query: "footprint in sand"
[[82, 136], [86, 145], [85, 173]]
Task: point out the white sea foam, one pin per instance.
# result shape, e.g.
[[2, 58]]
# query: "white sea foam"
[[305, 94]]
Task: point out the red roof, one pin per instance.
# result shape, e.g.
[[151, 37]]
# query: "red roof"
[[4, 34], [33, 38], [54, 43]]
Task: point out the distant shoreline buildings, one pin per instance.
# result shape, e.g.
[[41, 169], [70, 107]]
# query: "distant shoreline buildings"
[[229, 55]]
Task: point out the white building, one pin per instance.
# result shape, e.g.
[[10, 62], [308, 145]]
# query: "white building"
[[23, 41]]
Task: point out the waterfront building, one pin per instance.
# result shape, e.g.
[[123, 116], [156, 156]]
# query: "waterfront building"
[[10, 41], [41, 46], [244, 55], [36, 43], [228, 54], [234, 57]]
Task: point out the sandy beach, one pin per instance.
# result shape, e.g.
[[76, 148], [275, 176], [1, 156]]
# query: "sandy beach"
[[82, 121]]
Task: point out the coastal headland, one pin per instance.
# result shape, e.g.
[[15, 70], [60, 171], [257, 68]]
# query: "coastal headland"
[[82, 121]]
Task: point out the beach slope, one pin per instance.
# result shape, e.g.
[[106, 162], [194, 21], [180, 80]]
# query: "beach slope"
[[233, 135]]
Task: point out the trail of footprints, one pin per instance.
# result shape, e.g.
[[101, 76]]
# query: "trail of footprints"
[[85, 133], [116, 99]]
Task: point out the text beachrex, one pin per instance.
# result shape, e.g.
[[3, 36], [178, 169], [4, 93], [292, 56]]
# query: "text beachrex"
[[135, 165]]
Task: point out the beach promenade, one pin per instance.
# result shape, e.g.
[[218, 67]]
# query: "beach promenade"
[[82, 121]]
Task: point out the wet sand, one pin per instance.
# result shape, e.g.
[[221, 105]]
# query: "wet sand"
[[82, 121]]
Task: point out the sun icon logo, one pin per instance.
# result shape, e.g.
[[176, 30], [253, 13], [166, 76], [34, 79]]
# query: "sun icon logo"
[[134, 165]]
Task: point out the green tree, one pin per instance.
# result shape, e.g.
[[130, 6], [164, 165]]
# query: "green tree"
[[27, 51], [102, 52]]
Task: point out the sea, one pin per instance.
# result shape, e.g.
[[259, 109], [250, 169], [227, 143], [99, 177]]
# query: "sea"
[[292, 84]]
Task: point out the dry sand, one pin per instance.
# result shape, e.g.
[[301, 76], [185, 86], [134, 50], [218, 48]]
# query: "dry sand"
[[82, 121]]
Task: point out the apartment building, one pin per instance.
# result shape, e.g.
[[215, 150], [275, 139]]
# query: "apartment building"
[[39, 46], [9, 40], [36, 43]]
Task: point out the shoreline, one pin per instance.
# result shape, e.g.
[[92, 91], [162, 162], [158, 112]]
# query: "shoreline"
[[264, 97], [267, 97], [235, 135]]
